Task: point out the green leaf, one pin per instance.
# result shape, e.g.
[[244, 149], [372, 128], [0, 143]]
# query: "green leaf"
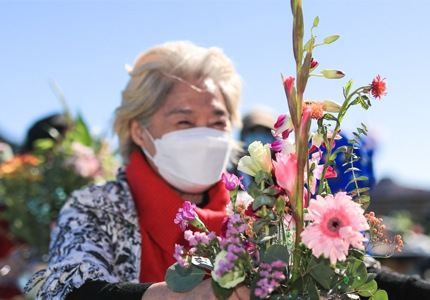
[[253, 190], [348, 87], [379, 295], [330, 117], [313, 293], [261, 176], [220, 291], [356, 272], [182, 279], [365, 205], [321, 271], [360, 178], [271, 191], [263, 200], [80, 132], [258, 225], [357, 136], [352, 169], [308, 45], [343, 149], [276, 252], [43, 144], [368, 289], [330, 39], [371, 276]]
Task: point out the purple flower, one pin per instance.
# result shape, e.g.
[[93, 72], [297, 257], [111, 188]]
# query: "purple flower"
[[185, 214], [278, 264], [232, 181], [179, 251], [271, 277], [223, 267]]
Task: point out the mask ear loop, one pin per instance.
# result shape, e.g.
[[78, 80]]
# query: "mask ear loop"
[[153, 142]]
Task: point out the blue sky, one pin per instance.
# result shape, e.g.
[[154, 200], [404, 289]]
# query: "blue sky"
[[84, 45]]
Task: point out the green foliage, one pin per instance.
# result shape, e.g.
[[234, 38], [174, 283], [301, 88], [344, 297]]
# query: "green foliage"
[[276, 252], [183, 279], [34, 186]]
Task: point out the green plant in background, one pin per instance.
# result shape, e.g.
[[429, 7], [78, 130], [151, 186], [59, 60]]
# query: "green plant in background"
[[34, 186]]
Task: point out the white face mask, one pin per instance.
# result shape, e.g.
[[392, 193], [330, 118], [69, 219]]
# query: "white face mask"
[[192, 160]]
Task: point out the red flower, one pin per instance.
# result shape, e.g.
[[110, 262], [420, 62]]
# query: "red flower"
[[378, 87]]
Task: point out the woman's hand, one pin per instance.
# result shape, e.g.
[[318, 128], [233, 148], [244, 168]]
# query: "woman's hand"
[[202, 291]]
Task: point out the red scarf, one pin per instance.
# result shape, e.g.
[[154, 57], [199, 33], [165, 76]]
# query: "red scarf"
[[157, 205]]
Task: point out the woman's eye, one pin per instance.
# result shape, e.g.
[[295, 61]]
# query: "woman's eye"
[[184, 123], [219, 124]]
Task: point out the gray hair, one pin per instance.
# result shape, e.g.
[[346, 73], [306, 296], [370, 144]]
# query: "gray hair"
[[155, 73]]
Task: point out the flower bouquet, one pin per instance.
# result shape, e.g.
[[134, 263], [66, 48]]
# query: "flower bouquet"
[[35, 185], [289, 236]]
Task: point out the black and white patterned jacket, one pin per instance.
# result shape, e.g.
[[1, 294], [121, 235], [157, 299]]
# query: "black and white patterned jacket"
[[97, 237]]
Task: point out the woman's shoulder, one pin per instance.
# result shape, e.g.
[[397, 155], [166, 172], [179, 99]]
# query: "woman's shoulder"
[[112, 196]]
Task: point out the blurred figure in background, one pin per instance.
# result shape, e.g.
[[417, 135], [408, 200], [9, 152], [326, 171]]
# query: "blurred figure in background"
[[257, 126], [51, 127]]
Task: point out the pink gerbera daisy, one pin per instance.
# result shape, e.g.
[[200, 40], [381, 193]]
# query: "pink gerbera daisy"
[[338, 223]]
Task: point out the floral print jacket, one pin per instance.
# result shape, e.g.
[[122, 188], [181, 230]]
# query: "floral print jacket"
[[97, 237]]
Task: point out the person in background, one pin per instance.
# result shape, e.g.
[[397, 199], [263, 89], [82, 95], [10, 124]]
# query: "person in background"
[[257, 125], [52, 127], [174, 126]]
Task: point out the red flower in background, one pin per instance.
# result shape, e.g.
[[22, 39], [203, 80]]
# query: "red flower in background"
[[378, 87]]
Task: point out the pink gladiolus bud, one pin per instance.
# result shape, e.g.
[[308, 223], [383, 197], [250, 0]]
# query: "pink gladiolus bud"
[[289, 83], [283, 127], [332, 74], [314, 64], [285, 170]]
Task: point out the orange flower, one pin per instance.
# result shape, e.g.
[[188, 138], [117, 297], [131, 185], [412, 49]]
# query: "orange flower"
[[317, 109], [19, 164], [378, 87]]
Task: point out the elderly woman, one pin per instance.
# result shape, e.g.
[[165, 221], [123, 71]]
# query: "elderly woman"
[[174, 127]]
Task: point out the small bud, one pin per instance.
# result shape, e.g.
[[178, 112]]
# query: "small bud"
[[289, 84], [332, 74], [330, 39], [313, 65], [332, 106]]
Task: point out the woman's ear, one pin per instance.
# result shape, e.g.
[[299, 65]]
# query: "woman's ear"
[[140, 137], [137, 133]]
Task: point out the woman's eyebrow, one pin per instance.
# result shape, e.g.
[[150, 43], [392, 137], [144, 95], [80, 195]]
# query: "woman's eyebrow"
[[178, 110]]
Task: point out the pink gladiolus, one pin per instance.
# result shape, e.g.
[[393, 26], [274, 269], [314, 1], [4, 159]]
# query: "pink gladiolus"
[[337, 224], [231, 181], [330, 173], [283, 127], [285, 170], [285, 146]]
